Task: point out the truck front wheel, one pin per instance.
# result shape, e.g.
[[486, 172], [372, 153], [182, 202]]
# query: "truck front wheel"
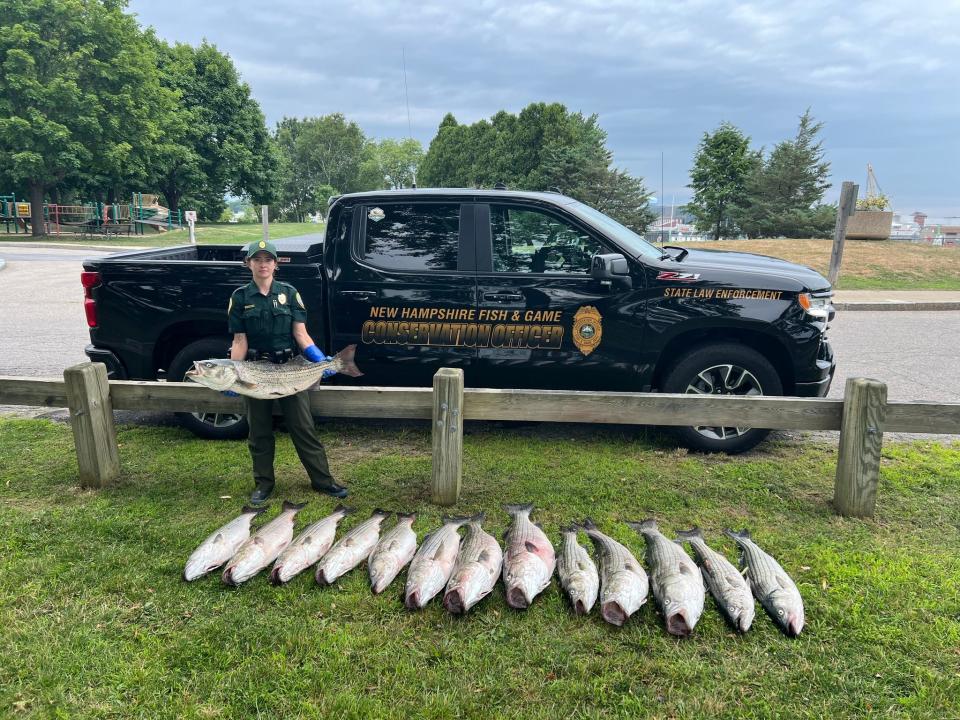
[[723, 369], [216, 426]]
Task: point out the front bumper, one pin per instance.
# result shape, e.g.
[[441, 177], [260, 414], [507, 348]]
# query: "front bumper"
[[826, 367], [115, 369]]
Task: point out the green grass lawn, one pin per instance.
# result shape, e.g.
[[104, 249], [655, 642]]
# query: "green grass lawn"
[[96, 622], [213, 233]]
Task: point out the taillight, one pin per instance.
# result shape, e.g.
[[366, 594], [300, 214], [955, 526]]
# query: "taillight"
[[90, 280]]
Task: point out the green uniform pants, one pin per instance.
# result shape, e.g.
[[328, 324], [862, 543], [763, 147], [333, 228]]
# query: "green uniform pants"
[[296, 412]]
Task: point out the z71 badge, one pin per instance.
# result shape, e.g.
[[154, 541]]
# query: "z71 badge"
[[678, 276]]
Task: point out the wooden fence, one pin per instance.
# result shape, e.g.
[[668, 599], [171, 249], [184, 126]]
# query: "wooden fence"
[[861, 417]]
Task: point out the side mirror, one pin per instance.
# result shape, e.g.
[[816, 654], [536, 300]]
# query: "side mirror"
[[611, 269]]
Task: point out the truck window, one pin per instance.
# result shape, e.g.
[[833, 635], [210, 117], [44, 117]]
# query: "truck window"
[[420, 236], [531, 241]]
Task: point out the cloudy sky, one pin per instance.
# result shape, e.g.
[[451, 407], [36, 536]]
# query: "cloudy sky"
[[884, 76]]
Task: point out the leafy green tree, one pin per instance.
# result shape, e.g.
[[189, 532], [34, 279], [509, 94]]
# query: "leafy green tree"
[[719, 179], [74, 76], [217, 141], [543, 146], [784, 191], [390, 164], [316, 153]]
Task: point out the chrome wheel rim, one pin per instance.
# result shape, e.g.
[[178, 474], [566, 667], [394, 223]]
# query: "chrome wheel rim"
[[218, 420], [726, 379]]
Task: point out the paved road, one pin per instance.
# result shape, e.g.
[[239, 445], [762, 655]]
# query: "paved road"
[[44, 331]]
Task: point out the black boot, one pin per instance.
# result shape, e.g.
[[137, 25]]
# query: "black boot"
[[263, 491], [331, 489]]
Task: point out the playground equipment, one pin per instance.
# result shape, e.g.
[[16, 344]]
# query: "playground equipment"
[[92, 218]]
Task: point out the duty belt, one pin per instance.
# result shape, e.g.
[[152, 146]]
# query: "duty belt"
[[275, 356]]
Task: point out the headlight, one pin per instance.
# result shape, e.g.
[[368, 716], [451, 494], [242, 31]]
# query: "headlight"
[[818, 307]]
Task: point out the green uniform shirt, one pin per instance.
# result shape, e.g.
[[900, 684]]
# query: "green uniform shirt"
[[268, 319]]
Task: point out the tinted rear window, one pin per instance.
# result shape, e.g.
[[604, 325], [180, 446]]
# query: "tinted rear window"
[[412, 236]]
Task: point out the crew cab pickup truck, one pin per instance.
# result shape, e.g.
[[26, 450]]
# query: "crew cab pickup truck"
[[519, 289]]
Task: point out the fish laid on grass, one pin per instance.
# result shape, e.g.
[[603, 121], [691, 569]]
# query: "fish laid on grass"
[[263, 547], [528, 560], [578, 573], [476, 570], [674, 578], [392, 554], [623, 582], [728, 587], [352, 549], [770, 584], [222, 545], [308, 547], [265, 380], [433, 564]]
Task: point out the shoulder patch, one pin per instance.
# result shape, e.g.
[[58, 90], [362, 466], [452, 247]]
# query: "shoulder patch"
[[299, 300], [230, 305]]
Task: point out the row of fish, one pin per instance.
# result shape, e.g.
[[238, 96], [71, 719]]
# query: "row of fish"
[[467, 570]]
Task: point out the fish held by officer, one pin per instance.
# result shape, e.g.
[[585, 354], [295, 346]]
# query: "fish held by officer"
[[273, 352]]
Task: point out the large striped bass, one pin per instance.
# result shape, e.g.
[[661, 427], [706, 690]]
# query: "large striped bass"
[[477, 569], [528, 559], [726, 584], [265, 380], [393, 553], [351, 550], [221, 545], [623, 582], [578, 573], [770, 584], [264, 547], [674, 578], [308, 547], [433, 564]]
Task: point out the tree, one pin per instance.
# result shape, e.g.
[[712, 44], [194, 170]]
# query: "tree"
[[217, 141], [390, 164], [317, 152], [74, 77], [784, 191], [543, 146], [719, 179]]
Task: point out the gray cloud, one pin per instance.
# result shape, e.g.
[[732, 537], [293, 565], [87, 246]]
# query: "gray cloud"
[[882, 75]]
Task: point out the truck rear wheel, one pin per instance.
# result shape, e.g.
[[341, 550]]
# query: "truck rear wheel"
[[216, 426], [723, 369]]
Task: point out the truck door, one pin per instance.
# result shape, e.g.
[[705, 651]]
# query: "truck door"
[[405, 288], [551, 325]]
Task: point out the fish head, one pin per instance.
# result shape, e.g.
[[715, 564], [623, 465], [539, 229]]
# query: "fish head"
[[218, 374], [198, 567], [524, 581], [741, 615], [786, 609]]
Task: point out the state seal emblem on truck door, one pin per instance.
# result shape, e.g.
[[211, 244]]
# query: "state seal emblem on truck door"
[[587, 329]]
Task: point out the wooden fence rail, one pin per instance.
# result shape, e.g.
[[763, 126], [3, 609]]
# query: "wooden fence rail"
[[862, 417]]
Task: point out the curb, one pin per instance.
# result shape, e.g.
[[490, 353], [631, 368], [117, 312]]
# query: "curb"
[[899, 305]]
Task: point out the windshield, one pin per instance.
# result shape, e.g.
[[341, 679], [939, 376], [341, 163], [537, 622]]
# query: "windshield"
[[623, 235]]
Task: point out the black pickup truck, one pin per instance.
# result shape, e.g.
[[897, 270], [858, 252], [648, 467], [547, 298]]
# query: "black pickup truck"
[[519, 289]]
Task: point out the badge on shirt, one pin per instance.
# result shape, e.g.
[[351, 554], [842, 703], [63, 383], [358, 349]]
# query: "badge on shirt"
[[282, 297]]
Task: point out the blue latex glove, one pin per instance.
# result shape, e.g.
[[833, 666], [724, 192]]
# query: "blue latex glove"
[[314, 354], [229, 393]]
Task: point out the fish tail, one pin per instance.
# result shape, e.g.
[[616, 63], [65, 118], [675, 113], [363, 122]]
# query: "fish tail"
[[287, 505], [693, 533], [734, 535], [518, 509], [456, 519], [588, 524], [479, 517], [347, 365], [381, 513], [344, 509], [247, 510], [644, 526], [572, 527], [406, 516]]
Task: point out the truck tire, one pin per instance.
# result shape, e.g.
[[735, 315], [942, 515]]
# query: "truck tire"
[[215, 426], [722, 369]]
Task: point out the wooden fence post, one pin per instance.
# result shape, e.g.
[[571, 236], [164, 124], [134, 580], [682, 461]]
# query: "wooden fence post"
[[861, 436], [91, 416], [846, 208], [447, 435]]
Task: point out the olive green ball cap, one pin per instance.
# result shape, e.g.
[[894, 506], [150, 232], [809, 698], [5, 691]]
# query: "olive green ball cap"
[[262, 246]]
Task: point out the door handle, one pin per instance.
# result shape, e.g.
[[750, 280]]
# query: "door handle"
[[359, 294], [503, 296]]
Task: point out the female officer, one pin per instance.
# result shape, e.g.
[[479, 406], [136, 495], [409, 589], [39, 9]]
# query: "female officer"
[[267, 318]]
